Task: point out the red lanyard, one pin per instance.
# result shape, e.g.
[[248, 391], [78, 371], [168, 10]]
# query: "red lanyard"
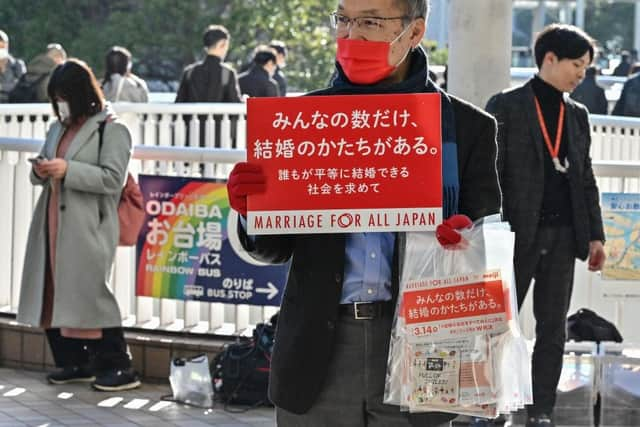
[[556, 148]]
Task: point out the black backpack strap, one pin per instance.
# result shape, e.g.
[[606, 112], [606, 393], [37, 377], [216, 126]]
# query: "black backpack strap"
[[101, 126]]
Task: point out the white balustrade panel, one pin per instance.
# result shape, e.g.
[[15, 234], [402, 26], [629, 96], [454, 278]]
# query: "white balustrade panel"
[[169, 140]]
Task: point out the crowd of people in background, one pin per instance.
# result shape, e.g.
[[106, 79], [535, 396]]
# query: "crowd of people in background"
[[208, 80], [213, 80], [592, 95]]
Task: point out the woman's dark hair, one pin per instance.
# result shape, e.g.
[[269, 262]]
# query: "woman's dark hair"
[[74, 82], [116, 61], [565, 41]]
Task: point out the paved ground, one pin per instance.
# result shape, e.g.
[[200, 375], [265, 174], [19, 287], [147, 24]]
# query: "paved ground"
[[27, 400]]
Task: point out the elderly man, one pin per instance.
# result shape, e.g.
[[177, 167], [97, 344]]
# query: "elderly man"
[[332, 342]]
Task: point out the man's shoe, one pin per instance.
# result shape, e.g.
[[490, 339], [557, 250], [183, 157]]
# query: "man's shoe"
[[541, 420], [500, 421], [71, 374], [117, 380]]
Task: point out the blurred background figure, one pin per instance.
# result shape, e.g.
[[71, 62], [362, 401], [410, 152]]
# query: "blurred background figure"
[[210, 80], [635, 68], [11, 69], [590, 94], [622, 70], [258, 79], [119, 83], [629, 102], [281, 61], [445, 77], [32, 86]]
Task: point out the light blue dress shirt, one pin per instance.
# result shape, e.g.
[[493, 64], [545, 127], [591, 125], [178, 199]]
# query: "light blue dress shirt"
[[367, 271]]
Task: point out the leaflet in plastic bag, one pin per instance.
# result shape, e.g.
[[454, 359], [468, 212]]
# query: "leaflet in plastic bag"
[[456, 346]]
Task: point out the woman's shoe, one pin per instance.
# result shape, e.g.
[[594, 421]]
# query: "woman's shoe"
[[117, 380], [71, 374]]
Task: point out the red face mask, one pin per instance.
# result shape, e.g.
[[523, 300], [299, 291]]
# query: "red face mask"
[[366, 62]]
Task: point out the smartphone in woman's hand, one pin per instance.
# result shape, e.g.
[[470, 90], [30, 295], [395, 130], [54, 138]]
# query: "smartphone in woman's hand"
[[36, 160]]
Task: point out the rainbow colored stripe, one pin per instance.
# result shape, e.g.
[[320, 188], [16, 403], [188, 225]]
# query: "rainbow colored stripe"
[[163, 285]]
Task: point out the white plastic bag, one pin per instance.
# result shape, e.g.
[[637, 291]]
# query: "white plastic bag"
[[191, 381], [456, 345]]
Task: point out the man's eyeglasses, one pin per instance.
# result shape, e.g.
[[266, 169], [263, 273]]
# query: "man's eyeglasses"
[[367, 24]]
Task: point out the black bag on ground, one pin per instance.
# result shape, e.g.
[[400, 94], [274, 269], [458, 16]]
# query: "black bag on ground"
[[240, 373], [586, 325]]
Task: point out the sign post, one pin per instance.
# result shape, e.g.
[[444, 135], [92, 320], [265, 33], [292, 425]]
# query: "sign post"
[[185, 250]]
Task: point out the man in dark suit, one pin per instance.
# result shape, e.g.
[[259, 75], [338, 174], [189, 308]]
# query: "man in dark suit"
[[629, 102], [622, 69], [210, 80], [332, 342], [550, 196], [258, 80]]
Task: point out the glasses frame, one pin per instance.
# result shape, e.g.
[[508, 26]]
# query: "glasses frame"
[[333, 16]]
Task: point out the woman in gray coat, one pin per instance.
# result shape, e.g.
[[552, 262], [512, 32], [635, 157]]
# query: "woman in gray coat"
[[74, 233], [119, 83]]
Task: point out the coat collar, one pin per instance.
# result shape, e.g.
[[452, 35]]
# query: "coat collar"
[[56, 133], [84, 134], [532, 118], [572, 130], [257, 70]]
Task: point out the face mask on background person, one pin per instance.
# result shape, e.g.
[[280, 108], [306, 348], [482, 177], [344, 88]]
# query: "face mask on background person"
[[4, 53], [63, 110], [367, 62]]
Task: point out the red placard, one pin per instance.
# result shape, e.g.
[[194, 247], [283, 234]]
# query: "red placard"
[[346, 163]]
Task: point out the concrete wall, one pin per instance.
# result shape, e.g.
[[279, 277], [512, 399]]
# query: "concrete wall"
[[479, 48]]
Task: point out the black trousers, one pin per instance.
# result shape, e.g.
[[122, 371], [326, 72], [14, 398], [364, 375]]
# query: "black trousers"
[[104, 354], [550, 262]]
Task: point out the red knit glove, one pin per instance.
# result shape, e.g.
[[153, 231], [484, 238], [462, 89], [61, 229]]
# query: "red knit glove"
[[446, 232], [245, 179]]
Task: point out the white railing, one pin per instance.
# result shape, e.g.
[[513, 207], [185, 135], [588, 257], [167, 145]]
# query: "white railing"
[[162, 147], [589, 289], [612, 85]]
